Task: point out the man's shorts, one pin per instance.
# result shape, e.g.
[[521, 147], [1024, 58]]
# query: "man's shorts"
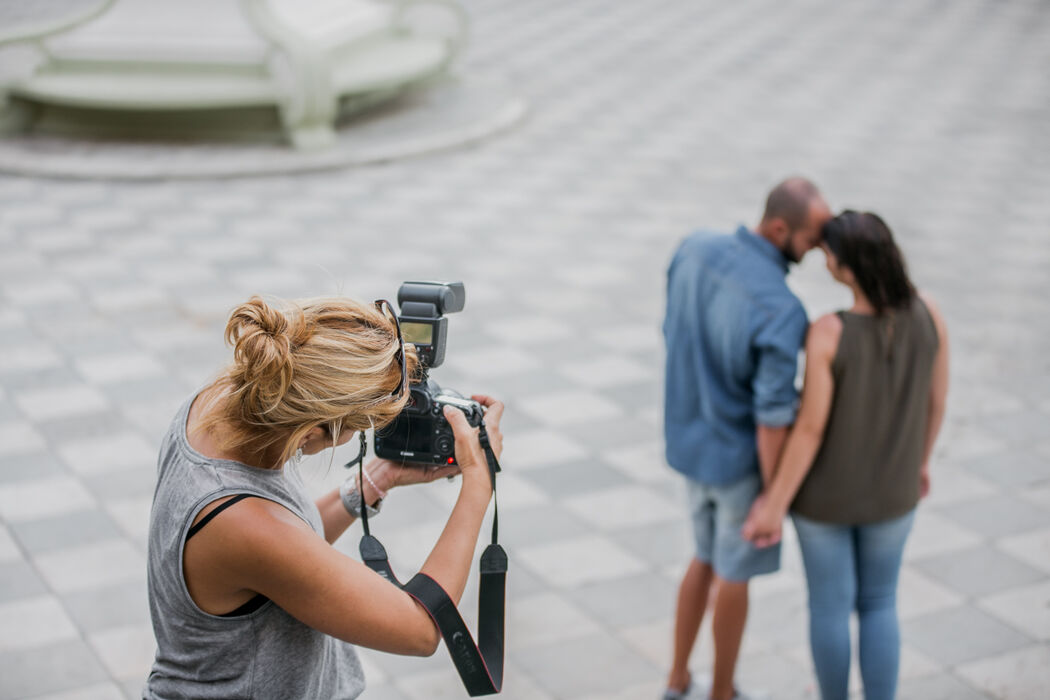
[[718, 514]]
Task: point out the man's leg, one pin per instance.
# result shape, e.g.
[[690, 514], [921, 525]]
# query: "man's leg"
[[692, 593], [689, 613], [735, 562], [728, 628]]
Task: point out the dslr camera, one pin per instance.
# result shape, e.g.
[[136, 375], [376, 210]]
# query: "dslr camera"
[[420, 434]]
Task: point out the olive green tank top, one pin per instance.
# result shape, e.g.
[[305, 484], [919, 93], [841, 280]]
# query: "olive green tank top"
[[867, 468]]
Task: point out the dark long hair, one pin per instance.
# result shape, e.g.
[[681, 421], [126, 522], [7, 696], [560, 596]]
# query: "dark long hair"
[[864, 243]]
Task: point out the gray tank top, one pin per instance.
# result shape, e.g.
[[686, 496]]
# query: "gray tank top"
[[264, 654], [867, 469]]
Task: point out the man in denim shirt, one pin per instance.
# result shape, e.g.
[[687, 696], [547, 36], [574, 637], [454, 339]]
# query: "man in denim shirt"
[[733, 332]]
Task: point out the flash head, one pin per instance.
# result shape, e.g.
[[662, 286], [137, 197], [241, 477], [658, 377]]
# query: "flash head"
[[423, 307]]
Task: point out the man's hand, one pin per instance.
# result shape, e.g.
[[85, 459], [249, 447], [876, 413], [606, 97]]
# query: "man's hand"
[[763, 527]]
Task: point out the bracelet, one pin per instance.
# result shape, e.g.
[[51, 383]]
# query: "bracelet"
[[381, 492], [351, 499]]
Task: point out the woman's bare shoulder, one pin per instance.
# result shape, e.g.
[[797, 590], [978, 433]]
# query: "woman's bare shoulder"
[[824, 334]]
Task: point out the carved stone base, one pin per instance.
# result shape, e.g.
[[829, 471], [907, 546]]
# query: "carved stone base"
[[450, 112]]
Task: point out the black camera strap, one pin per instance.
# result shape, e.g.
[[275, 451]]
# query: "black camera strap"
[[480, 665]]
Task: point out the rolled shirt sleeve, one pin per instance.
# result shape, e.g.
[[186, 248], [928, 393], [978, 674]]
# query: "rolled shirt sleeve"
[[777, 345]]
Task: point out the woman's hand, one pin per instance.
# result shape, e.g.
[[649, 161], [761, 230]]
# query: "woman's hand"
[[469, 453], [388, 474], [764, 524]]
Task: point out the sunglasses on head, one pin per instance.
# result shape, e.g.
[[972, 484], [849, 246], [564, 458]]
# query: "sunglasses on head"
[[385, 307]]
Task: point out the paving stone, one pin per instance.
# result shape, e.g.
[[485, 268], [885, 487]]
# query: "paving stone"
[[100, 691], [940, 686], [1020, 674], [616, 432], [119, 605], [31, 500], [644, 463], [576, 666], [579, 560], [978, 571], [539, 448], [383, 691], [107, 453], [1016, 469], [937, 635], [92, 565], [548, 617], [622, 507], [933, 534], [28, 623], [123, 483], [626, 602], [63, 666], [566, 480], [1032, 548], [9, 550], [19, 438], [19, 581], [538, 524], [1027, 609], [659, 544], [998, 516], [919, 594], [61, 531], [82, 426], [127, 652]]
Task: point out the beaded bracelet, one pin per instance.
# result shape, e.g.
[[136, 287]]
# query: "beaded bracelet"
[[381, 492]]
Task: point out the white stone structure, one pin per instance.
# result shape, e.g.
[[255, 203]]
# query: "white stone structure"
[[311, 60]]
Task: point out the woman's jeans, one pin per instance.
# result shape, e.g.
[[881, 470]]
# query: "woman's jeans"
[[854, 567]]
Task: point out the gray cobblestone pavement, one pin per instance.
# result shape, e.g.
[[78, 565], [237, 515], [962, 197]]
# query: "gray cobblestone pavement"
[[649, 119]]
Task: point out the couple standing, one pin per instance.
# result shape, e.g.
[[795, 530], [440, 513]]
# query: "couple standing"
[[850, 461]]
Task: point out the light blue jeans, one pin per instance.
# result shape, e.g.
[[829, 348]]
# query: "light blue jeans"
[[854, 567]]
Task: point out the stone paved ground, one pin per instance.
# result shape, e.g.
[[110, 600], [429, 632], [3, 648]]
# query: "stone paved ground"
[[650, 118]]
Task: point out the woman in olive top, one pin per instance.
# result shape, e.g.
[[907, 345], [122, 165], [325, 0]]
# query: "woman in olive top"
[[857, 460]]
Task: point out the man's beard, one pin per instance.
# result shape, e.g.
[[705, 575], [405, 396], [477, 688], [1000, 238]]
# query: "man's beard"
[[789, 253]]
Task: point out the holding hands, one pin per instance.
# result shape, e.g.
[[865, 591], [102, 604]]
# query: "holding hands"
[[764, 523]]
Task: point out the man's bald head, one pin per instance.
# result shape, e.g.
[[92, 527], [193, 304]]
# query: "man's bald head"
[[795, 212], [791, 200]]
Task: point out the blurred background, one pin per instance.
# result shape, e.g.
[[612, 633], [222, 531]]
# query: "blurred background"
[[645, 121]]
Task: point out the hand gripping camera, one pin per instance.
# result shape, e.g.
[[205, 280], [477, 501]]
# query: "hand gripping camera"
[[420, 434]]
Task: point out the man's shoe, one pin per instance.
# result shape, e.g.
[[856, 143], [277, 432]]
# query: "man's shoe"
[[693, 691], [672, 694]]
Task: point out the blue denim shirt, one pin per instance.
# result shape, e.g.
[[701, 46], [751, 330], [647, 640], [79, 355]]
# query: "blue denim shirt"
[[733, 332]]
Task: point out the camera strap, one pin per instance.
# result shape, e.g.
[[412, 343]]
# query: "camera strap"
[[480, 665]]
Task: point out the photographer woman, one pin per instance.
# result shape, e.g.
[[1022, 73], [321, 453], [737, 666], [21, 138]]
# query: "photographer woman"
[[248, 597], [857, 460]]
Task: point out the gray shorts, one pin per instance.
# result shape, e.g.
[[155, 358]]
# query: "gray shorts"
[[718, 514]]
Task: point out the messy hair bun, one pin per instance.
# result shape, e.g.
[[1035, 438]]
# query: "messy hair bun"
[[297, 365], [263, 362]]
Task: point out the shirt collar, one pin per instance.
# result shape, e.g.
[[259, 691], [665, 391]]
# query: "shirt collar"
[[763, 246]]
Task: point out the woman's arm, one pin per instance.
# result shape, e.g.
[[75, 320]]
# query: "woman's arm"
[[259, 546], [384, 476], [764, 521], [448, 563], [938, 391]]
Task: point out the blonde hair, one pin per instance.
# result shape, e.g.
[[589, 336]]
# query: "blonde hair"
[[328, 362]]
